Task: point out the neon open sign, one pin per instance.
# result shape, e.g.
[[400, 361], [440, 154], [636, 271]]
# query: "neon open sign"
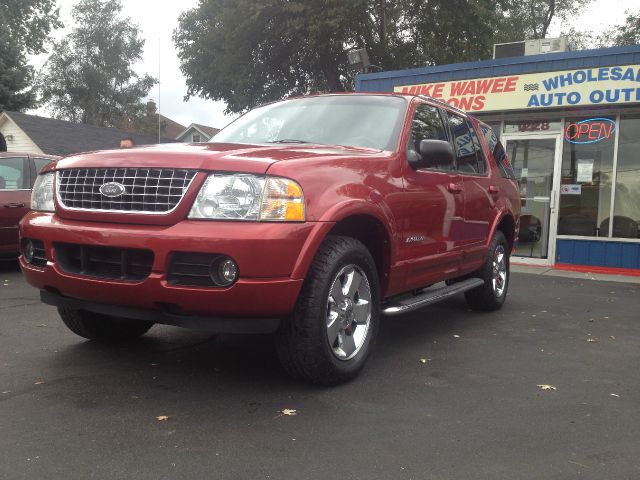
[[592, 130]]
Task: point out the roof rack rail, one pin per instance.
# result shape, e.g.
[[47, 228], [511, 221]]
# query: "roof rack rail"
[[441, 102]]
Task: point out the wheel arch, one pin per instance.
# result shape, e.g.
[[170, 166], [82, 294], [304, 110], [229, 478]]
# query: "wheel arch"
[[507, 225], [366, 227], [372, 233]]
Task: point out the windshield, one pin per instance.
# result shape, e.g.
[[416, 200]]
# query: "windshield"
[[351, 120]]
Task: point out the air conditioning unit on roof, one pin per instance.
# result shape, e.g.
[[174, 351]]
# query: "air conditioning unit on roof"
[[531, 47]]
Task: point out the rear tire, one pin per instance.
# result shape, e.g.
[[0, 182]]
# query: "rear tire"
[[495, 273], [102, 328], [331, 332]]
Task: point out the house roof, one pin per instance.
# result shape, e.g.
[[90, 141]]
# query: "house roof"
[[59, 137], [172, 128], [203, 129]]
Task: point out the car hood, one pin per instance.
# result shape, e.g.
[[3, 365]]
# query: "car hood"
[[208, 156]]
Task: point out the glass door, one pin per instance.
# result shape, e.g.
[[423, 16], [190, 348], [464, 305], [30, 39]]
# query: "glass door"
[[534, 158]]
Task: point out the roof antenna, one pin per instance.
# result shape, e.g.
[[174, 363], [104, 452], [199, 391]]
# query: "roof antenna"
[[159, 136]]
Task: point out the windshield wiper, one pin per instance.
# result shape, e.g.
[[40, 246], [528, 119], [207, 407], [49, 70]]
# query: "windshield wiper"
[[288, 140]]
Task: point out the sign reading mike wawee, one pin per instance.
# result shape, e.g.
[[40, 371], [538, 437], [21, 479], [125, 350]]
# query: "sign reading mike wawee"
[[591, 86]]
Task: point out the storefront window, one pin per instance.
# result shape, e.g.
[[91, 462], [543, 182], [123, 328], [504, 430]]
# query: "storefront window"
[[587, 173], [626, 206]]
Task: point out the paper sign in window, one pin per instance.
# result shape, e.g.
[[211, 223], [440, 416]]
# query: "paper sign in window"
[[585, 170]]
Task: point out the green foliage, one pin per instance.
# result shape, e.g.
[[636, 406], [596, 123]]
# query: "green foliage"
[[29, 22], [25, 26], [15, 76], [627, 33], [146, 122], [531, 18], [248, 52], [89, 77]]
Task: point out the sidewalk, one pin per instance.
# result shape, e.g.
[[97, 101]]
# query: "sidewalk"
[[556, 272]]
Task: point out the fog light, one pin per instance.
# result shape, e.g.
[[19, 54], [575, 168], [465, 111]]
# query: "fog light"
[[28, 251], [224, 271]]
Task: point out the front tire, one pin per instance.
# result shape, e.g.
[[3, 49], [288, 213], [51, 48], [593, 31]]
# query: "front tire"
[[330, 334], [495, 273], [102, 328]]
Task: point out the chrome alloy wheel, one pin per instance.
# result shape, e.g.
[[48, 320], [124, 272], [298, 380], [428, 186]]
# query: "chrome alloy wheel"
[[499, 279], [348, 312]]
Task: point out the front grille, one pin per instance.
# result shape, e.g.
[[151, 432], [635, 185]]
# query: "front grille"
[[150, 190], [127, 264], [186, 268]]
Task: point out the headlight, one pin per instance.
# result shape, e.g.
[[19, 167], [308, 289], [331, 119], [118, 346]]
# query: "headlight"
[[42, 193], [239, 196]]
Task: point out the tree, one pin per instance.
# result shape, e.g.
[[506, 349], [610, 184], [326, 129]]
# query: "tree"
[[627, 33], [15, 76], [25, 26], [248, 52], [146, 122], [529, 19], [89, 77]]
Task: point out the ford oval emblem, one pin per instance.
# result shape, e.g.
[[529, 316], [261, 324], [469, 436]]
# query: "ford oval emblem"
[[112, 189]]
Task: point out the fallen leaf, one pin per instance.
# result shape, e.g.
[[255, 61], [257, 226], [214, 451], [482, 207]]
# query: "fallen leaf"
[[39, 382], [289, 411], [612, 337], [162, 418], [614, 395], [546, 387]]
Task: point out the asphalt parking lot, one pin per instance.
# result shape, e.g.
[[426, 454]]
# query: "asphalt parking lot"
[[70, 409]]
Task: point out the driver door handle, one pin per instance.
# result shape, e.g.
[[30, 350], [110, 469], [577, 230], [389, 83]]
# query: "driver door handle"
[[454, 187], [14, 205]]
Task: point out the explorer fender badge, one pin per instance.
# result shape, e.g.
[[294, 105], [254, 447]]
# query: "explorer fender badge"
[[112, 189], [415, 239]]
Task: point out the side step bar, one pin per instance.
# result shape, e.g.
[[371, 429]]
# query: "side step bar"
[[408, 304]]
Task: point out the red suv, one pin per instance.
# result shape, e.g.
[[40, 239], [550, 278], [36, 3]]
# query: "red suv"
[[18, 172], [308, 217]]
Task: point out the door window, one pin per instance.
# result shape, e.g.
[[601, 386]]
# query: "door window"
[[468, 160], [427, 125], [12, 173]]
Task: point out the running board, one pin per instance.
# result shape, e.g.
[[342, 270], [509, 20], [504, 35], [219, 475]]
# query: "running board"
[[428, 297]]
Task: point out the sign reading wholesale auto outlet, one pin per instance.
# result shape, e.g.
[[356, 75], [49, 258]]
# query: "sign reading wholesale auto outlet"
[[591, 86]]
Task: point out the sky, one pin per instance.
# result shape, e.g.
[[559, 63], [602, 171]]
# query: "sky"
[[157, 20]]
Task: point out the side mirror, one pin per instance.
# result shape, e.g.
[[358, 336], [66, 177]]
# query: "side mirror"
[[433, 154]]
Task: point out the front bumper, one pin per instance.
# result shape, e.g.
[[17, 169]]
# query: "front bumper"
[[267, 255]]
